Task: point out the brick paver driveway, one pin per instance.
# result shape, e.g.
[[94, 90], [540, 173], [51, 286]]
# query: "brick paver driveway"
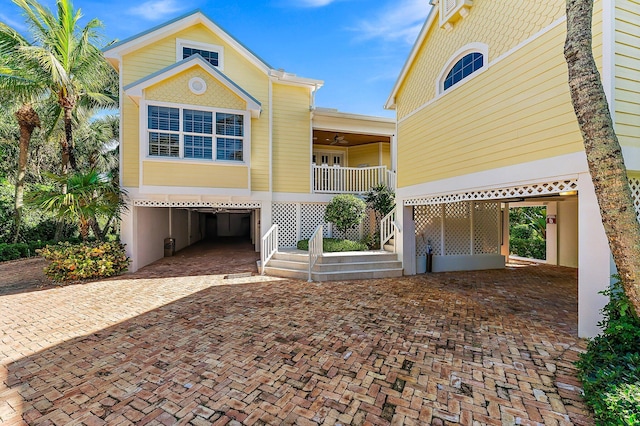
[[164, 346]]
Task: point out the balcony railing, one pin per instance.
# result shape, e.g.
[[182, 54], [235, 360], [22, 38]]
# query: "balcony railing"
[[352, 180]]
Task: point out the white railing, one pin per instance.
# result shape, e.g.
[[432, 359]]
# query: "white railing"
[[315, 248], [268, 247], [388, 227], [354, 180]]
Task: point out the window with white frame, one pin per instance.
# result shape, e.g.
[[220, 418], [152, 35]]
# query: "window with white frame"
[[190, 133], [210, 52], [462, 65]]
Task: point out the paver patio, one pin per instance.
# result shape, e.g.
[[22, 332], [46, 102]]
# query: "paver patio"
[[176, 343]]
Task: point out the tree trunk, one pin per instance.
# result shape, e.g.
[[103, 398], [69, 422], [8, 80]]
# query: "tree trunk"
[[604, 155], [28, 120]]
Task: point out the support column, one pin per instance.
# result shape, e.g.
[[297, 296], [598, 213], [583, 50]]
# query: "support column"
[[406, 246], [594, 268], [504, 237], [128, 235], [552, 233]]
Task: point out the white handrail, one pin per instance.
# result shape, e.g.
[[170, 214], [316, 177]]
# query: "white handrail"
[[315, 248], [391, 180], [268, 246], [388, 226]]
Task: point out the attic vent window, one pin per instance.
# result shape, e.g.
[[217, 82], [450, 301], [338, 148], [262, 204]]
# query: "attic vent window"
[[211, 53], [450, 11]]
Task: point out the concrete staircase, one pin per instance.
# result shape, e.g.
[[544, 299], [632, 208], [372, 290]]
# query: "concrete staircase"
[[357, 265]]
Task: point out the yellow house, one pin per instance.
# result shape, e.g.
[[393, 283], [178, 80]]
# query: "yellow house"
[[485, 120], [215, 142]]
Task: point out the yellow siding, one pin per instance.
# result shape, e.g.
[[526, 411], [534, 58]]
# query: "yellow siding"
[[176, 89], [175, 173], [627, 72], [386, 155], [161, 54], [518, 110], [488, 22], [130, 149], [364, 154], [291, 134]]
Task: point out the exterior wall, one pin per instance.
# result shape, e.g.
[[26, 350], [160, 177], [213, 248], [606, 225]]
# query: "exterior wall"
[[291, 139], [364, 154], [189, 174], [162, 54], [509, 113], [488, 22], [151, 224], [568, 233], [386, 155], [180, 227], [626, 72]]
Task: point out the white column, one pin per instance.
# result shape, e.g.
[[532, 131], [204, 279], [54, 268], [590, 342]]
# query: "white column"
[[552, 233], [504, 243], [406, 246], [128, 235], [266, 218], [594, 268]]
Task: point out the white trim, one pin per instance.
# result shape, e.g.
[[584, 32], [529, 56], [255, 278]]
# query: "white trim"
[[492, 63], [196, 204], [296, 197], [270, 136], [539, 171], [182, 43], [120, 125], [475, 47]]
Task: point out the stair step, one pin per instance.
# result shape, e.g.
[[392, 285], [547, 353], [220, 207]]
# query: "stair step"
[[286, 273], [356, 266], [357, 275]]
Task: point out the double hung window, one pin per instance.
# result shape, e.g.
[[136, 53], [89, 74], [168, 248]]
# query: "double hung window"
[[190, 133]]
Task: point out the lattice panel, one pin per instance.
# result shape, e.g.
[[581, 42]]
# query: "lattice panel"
[[634, 182], [428, 220], [496, 194], [486, 228], [312, 215], [286, 216], [158, 203], [457, 229], [369, 223]]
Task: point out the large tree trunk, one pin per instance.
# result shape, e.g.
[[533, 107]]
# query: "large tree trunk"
[[604, 154], [28, 120]]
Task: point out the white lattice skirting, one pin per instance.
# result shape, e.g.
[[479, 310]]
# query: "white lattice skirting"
[[194, 204], [496, 194], [634, 183]]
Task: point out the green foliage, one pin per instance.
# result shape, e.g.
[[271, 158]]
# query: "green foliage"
[[527, 232], [381, 199], [345, 211], [332, 245], [10, 251], [610, 369], [70, 262]]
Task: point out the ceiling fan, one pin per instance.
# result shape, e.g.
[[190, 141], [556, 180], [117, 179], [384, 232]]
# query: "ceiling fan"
[[339, 139]]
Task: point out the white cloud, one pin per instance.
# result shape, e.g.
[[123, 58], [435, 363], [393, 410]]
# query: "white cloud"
[[399, 20], [153, 10], [18, 26], [312, 3]]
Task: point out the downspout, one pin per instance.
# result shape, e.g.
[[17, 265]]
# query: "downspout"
[[270, 140], [312, 109]]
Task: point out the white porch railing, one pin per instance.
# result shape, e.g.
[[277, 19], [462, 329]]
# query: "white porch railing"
[[354, 180], [315, 248], [268, 247], [388, 228]]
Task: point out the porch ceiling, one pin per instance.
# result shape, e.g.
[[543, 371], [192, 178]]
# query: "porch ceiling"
[[324, 137]]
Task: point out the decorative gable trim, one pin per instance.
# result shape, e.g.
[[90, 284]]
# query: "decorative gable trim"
[[135, 89], [449, 11]]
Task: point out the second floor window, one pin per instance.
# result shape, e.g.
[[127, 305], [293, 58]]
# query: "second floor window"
[[463, 68], [207, 55], [190, 133]]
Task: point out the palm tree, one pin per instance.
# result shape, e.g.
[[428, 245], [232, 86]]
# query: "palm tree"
[[18, 85], [604, 155], [89, 196], [65, 59]]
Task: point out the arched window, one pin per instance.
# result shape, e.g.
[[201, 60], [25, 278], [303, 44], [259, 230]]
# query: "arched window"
[[466, 66]]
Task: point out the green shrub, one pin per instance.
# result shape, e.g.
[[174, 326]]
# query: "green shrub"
[[9, 251], [345, 211], [70, 262], [531, 248], [332, 245], [610, 369]]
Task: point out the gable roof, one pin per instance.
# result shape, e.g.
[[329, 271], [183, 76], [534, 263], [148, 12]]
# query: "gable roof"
[[143, 39], [391, 101], [135, 89]]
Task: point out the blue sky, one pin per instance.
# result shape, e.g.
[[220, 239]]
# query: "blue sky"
[[357, 47]]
